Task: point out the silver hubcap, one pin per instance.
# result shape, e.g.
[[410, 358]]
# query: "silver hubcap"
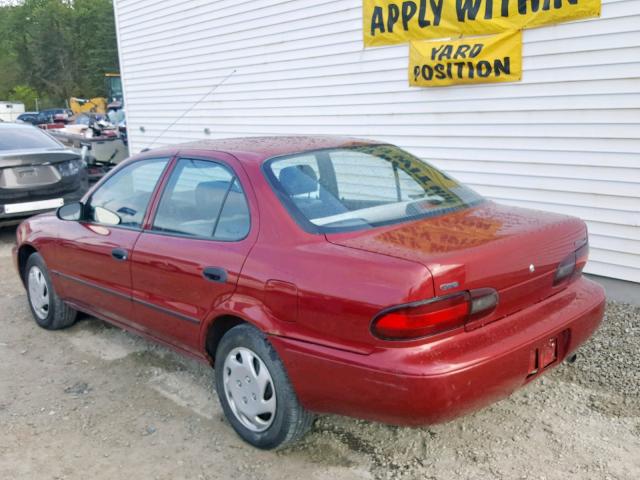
[[38, 293], [249, 389]]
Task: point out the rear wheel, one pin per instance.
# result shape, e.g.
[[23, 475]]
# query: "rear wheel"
[[255, 392], [48, 310]]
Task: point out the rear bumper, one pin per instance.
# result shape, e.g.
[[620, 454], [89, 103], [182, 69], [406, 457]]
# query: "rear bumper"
[[439, 381], [68, 197]]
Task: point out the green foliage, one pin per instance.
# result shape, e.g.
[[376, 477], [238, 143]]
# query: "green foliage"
[[24, 94], [57, 48]]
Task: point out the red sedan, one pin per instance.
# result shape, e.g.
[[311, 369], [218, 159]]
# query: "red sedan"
[[318, 274]]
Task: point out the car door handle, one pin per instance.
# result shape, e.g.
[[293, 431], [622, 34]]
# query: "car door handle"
[[119, 254], [215, 274]]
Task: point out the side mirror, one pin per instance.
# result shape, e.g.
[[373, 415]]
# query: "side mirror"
[[71, 212], [105, 216]]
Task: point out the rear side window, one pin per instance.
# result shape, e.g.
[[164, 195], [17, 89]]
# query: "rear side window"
[[203, 199], [127, 193]]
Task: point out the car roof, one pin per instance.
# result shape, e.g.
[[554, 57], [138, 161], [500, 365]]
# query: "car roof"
[[261, 148]]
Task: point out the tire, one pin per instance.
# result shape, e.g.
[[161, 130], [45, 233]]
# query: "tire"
[[242, 385], [48, 310]]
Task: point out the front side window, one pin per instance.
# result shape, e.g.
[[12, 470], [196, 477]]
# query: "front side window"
[[203, 199], [363, 187], [126, 194]]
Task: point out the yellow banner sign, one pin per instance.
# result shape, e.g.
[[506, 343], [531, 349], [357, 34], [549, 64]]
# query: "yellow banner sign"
[[495, 58], [387, 22]]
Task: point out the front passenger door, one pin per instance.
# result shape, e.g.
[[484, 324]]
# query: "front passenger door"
[[94, 269]]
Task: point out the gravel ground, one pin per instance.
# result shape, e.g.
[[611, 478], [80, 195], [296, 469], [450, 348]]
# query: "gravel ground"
[[93, 402]]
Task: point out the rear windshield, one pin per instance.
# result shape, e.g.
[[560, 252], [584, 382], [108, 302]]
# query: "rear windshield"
[[363, 187], [26, 138]]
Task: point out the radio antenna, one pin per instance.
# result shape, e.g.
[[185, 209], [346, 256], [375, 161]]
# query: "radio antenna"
[[213, 89]]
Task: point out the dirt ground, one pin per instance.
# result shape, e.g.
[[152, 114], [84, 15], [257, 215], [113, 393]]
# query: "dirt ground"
[[96, 402]]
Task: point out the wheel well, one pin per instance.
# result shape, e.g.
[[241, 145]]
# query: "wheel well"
[[218, 328], [23, 255]]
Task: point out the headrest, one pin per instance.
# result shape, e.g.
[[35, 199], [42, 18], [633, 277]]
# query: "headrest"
[[298, 179], [217, 185], [211, 193]]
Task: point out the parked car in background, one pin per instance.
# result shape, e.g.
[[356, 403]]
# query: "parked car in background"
[[318, 274], [34, 118], [37, 173], [54, 115]]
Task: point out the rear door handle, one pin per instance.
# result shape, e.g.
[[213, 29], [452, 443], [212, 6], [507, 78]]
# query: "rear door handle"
[[215, 274], [119, 254]]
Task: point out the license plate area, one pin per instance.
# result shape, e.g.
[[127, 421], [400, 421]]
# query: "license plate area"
[[33, 206], [547, 353]]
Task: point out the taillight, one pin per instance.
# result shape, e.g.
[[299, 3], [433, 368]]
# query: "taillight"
[[437, 315], [582, 255], [69, 168], [573, 264], [483, 301], [565, 269]]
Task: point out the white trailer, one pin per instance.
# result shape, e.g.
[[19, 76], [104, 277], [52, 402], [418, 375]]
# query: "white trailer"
[[9, 111]]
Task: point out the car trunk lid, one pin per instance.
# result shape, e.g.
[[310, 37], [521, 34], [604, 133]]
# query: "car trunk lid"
[[512, 250], [27, 169]]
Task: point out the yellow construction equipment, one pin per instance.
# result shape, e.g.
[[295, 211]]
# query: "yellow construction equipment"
[[100, 104], [90, 105]]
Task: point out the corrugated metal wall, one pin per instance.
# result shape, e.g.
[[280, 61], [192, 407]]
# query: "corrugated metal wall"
[[565, 139]]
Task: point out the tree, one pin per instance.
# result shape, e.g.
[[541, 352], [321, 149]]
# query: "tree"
[[9, 74], [98, 52], [58, 48], [24, 94]]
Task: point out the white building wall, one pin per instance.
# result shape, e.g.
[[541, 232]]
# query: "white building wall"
[[565, 139]]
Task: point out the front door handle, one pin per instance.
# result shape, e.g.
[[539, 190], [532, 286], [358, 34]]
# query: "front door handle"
[[119, 254], [215, 274]]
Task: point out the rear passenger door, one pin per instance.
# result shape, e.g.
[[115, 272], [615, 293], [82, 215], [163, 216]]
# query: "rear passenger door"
[[190, 256]]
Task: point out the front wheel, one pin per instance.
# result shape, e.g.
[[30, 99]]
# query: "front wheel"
[[255, 392], [48, 310]]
